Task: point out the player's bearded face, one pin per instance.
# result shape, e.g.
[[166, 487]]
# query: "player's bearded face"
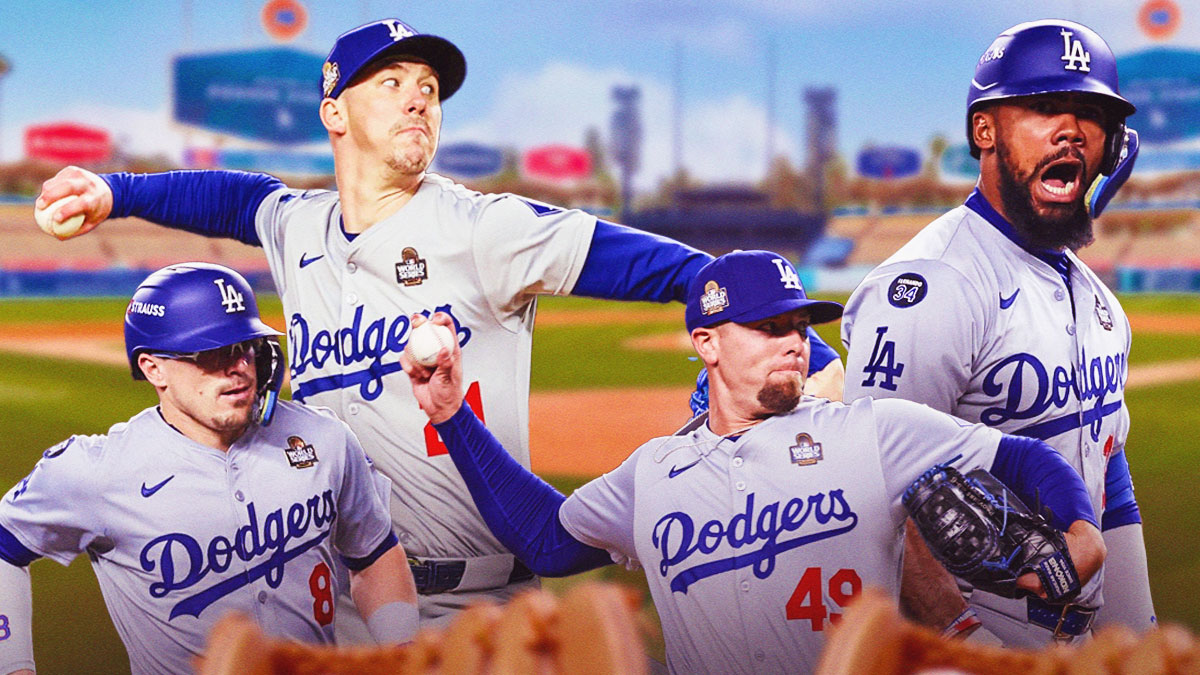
[[1050, 226], [766, 360], [1049, 149]]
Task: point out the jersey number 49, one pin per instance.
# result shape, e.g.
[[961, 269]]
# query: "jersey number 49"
[[808, 600]]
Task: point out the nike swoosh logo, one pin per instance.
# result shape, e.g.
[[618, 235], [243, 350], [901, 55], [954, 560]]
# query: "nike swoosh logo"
[[982, 87], [1005, 303], [149, 491], [675, 471], [306, 261]]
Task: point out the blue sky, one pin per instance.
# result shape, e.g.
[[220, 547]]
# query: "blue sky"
[[541, 72]]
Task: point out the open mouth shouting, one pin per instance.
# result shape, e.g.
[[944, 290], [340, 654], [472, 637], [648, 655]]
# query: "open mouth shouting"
[[1061, 180]]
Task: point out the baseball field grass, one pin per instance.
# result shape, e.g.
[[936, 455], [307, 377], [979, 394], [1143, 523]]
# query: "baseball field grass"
[[579, 344]]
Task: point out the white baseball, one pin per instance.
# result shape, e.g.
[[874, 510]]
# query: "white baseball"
[[426, 341], [45, 220]]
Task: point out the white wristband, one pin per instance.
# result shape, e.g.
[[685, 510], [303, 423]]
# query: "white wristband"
[[395, 622]]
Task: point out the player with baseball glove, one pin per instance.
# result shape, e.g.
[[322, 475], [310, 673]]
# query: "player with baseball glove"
[[761, 520]]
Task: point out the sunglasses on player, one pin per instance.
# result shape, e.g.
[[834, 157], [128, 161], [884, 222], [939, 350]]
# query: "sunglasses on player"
[[221, 357]]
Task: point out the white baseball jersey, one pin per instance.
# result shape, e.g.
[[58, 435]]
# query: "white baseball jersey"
[[753, 544], [966, 321], [179, 533], [480, 258]]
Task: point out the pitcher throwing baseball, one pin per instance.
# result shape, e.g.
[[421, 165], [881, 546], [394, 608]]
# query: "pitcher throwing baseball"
[[353, 265]]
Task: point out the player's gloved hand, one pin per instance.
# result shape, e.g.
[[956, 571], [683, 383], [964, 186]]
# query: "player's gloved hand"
[[1104, 188], [983, 534], [699, 399], [438, 389], [95, 197]]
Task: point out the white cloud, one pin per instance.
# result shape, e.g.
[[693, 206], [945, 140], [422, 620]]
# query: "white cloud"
[[724, 139]]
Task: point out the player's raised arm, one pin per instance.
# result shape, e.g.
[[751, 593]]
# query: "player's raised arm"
[[93, 197], [519, 508], [212, 203]]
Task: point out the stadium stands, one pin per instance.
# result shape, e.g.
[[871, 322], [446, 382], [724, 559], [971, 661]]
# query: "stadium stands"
[[1146, 239]]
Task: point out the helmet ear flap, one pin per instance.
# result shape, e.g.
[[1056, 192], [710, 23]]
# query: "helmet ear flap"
[[270, 368], [1113, 144]]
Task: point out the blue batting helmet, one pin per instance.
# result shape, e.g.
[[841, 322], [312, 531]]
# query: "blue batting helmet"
[[193, 307], [1050, 56]]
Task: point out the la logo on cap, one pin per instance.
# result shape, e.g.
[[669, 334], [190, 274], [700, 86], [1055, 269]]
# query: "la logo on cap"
[[714, 299]]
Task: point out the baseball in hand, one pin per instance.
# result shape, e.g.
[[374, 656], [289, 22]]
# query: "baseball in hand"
[[64, 230], [426, 341]]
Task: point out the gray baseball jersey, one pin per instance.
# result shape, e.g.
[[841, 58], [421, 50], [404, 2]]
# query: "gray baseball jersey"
[[480, 258], [966, 321], [179, 533], [753, 544]]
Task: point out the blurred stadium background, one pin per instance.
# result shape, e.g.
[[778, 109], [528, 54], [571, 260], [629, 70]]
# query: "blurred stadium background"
[[837, 210]]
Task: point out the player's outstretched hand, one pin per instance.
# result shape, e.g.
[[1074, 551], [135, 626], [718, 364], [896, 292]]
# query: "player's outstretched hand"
[[1086, 546], [95, 198], [438, 388]]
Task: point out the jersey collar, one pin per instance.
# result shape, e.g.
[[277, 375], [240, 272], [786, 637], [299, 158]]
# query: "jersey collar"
[[1055, 259]]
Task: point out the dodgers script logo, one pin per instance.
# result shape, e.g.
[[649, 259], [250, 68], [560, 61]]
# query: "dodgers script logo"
[[369, 344], [678, 538], [182, 562], [1027, 389]]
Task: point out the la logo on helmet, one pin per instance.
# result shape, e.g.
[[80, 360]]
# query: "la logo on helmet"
[[787, 275], [230, 297], [1074, 54]]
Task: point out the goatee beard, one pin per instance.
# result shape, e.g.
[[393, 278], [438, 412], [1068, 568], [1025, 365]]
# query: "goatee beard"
[[780, 397], [1067, 225]]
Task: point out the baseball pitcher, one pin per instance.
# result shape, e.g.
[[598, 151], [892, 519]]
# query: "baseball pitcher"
[[353, 265]]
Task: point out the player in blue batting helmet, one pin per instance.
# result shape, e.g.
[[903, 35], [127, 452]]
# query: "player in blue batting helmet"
[[1057, 56], [206, 314]]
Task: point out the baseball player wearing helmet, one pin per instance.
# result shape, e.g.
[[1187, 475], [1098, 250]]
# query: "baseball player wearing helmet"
[[988, 314], [218, 499], [352, 266], [759, 521]]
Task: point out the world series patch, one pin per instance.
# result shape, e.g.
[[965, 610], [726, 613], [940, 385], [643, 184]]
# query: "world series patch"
[[907, 290], [300, 455], [411, 270], [806, 451], [1103, 316], [714, 300]]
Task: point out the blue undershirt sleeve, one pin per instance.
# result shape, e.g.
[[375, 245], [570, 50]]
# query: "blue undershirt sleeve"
[[13, 551], [211, 203], [519, 508], [360, 564], [1120, 507], [1039, 475], [628, 264]]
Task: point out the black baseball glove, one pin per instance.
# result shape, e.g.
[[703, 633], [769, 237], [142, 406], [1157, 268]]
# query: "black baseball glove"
[[984, 535]]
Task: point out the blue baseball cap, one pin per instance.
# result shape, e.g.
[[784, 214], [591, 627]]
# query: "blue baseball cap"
[[358, 48], [746, 286]]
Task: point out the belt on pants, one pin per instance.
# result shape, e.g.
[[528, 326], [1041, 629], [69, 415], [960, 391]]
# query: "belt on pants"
[[441, 575], [1065, 621]]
